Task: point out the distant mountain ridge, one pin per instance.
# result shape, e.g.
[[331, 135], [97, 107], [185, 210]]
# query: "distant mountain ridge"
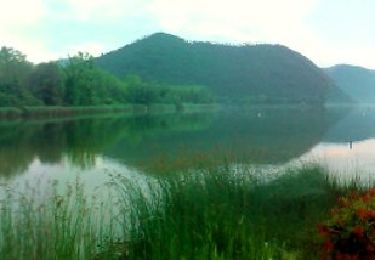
[[356, 82], [254, 73]]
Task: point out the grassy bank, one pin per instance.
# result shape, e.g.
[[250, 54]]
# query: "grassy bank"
[[213, 213], [27, 112], [10, 112], [55, 111]]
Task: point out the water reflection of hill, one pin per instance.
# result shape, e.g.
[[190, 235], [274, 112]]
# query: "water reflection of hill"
[[80, 140], [357, 124], [261, 135]]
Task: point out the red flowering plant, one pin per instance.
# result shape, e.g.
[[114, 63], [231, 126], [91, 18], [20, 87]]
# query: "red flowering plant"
[[349, 233]]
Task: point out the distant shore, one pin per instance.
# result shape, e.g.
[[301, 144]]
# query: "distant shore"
[[61, 111]]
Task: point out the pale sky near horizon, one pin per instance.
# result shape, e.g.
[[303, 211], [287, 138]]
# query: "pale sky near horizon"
[[326, 31]]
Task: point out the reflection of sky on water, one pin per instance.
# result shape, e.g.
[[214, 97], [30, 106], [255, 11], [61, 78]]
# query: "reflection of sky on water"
[[41, 175], [345, 161], [339, 159]]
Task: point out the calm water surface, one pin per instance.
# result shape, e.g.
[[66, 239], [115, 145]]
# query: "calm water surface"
[[342, 140]]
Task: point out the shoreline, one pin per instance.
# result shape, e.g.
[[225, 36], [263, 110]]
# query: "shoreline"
[[29, 112], [8, 113]]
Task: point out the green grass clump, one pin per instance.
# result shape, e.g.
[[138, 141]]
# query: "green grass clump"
[[224, 213]]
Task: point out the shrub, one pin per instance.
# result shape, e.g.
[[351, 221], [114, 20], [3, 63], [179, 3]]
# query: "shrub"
[[349, 233]]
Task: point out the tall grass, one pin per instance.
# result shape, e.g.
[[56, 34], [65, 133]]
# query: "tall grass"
[[37, 225], [227, 214], [212, 213]]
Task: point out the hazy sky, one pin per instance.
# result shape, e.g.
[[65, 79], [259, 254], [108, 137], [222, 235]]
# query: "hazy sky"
[[326, 31]]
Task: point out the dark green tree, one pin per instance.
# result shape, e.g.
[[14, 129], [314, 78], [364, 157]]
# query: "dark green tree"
[[87, 85], [46, 83], [14, 73]]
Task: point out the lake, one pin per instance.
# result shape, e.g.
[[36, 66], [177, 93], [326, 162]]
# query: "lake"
[[339, 139], [191, 183]]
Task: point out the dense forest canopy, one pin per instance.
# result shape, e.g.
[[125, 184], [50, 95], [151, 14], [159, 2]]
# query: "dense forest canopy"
[[356, 82], [78, 81], [254, 73]]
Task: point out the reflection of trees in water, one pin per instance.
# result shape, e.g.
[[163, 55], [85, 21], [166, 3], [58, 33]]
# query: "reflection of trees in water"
[[81, 140], [15, 151], [258, 135]]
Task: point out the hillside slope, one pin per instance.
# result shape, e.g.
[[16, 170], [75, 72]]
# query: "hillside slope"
[[254, 73], [356, 82]]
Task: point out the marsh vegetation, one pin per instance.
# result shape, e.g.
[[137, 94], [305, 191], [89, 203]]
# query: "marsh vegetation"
[[221, 212]]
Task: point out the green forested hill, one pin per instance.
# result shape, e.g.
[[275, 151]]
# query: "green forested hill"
[[356, 82], [254, 73]]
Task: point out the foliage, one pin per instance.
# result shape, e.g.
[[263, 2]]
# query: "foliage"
[[46, 83], [14, 74], [143, 92], [79, 82], [263, 73], [350, 230], [87, 85]]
